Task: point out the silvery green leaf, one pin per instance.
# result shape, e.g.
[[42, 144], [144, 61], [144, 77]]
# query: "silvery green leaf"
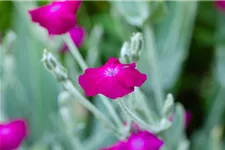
[[99, 139], [93, 45], [168, 106], [220, 52], [177, 129], [200, 140], [172, 40], [158, 11], [36, 101], [135, 12]]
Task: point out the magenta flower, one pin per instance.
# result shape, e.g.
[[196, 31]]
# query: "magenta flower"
[[220, 5], [57, 17], [73, 5], [144, 140], [112, 79], [77, 34], [187, 117], [12, 134]]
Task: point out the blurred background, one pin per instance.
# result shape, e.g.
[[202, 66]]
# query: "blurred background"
[[190, 43]]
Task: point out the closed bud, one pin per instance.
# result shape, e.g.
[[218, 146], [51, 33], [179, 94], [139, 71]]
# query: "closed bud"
[[54, 67], [168, 106], [125, 53], [136, 46]]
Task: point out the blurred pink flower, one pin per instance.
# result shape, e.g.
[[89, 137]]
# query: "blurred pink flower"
[[142, 140], [12, 134], [57, 17], [220, 5], [112, 79], [77, 34], [187, 117]]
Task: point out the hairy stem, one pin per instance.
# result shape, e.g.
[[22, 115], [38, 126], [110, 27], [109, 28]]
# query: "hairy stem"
[[83, 65]]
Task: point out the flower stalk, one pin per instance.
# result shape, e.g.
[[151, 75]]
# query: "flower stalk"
[[59, 72], [65, 112], [75, 52], [137, 119], [78, 57]]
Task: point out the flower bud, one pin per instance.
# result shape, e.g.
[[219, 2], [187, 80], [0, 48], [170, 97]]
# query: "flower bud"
[[54, 67], [125, 52], [168, 106], [130, 52], [136, 46]]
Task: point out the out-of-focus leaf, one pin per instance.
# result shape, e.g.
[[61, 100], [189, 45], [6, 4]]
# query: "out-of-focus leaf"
[[94, 41], [38, 85], [158, 11], [200, 140], [172, 37], [216, 111], [220, 52], [135, 13], [176, 130], [5, 15], [103, 138]]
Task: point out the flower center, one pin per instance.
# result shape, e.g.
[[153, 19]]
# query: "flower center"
[[55, 8], [5, 131], [111, 71], [137, 144]]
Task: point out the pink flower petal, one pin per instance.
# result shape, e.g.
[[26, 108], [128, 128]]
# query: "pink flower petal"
[[57, 17], [220, 5], [144, 140], [12, 134], [131, 77], [88, 80], [112, 79], [110, 87], [77, 34], [188, 118], [72, 5]]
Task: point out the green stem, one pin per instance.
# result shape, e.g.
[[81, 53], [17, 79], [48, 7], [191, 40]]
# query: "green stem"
[[65, 112], [75, 52], [88, 105], [146, 109], [136, 119], [83, 65], [112, 111], [152, 58]]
